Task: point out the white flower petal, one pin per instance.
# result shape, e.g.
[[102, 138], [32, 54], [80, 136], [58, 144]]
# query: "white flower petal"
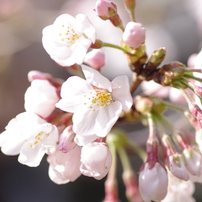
[[31, 156], [10, 145], [64, 167], [106, 118], [72, 93], [84, 121], [96, 79], [83, 140], [121, 91], [87, 27]]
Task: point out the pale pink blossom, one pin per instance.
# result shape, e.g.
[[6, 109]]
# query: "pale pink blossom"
[[29, 136], [96, 160], [66, 141], [96, 103], [40, 98], [64, 167], [105, 9], [134, 34], [153, 182], [95, 58], [68, 39], [179, 190]]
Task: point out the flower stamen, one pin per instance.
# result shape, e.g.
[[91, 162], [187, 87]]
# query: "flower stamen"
[[69, 35]]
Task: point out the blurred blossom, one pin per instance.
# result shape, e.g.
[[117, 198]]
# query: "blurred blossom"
[[155, 89]]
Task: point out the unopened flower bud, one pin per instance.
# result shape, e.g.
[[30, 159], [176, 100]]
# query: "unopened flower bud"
[[105, 9], [143, 105], [66, 141], [193, 161], [40, 98], [154, 61], [198, 90], [153, 182], [95, 58], [33, 75], [177, 167], [96, 160], [134, 34]]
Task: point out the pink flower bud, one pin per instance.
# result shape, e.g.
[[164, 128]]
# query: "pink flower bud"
[[66, 141], [153, 182], [134, 34], [96, 160], [177, 167], [193, 161], [105, 9], [95, 58], [33, 75]]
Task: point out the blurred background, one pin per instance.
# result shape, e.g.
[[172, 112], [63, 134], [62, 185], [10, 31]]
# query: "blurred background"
[[174, 24]]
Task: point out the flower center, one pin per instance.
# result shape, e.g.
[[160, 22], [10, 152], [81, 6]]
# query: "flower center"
[[102, 98], [98, 98], [38, 138], [68, 35]]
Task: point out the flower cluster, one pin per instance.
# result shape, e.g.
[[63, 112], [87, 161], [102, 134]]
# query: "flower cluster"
[[74, 122]]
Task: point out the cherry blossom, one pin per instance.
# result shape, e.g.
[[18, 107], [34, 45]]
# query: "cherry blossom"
[[68, 39], [30, 136], [96, 103]]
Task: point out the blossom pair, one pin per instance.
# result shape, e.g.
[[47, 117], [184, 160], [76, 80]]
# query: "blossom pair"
[[68, 40], [29, 134], [69, 160]]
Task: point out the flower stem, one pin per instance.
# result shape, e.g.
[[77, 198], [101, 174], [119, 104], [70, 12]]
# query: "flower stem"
[[124, 159], [192, 77], [173, 106], [114, 46], [136, 82], [112, 171], [165, 121]]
